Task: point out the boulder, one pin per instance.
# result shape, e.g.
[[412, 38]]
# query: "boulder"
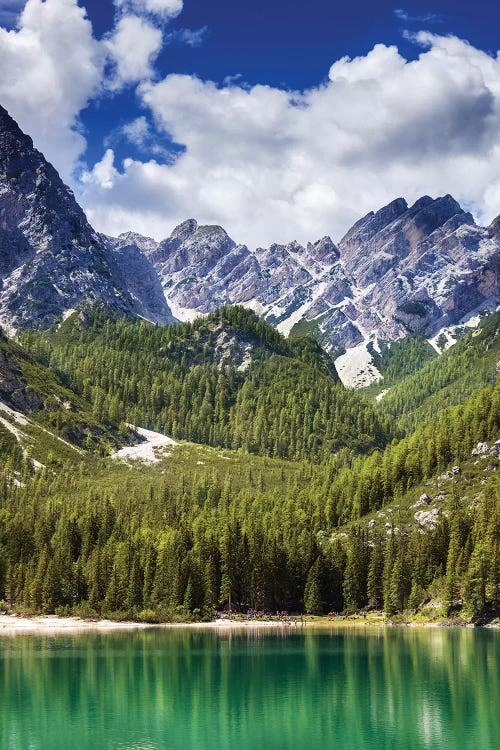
[[481, 449], [428, 519]]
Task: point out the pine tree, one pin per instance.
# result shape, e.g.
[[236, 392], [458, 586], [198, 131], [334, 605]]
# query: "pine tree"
[[313, 603]]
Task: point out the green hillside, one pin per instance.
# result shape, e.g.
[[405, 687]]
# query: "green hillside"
[[227, 380], [447, 380], [286, 491], [41, 417]]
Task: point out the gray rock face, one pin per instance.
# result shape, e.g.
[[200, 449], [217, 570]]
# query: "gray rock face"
[[428, 519], [397, 271], [138, 276], [50, 257]]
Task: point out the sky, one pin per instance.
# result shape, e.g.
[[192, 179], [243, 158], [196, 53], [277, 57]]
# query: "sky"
[[277, 119]]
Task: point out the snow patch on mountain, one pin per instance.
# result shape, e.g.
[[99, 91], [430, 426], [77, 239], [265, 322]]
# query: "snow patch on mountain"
[[14, 415], [20, 436], [151, 451], [183, 314], [449, 335], [356, 367], [285, 326]]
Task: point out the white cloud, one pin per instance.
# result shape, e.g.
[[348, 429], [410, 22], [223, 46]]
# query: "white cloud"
[[271, 165], [426, 17], [191, 37], [380, 61], [161, 8], [137, 131], [133, 46], [140, 133], [51, 68], [104, 173]]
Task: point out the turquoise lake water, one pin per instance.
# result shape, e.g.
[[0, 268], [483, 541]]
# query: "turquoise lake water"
[[410, 689]]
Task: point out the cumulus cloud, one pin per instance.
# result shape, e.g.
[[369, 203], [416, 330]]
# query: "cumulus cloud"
[[133, 46], [51, 67], [104, 173], [140, 133], [137, 131], [267, 163], [273, 165]]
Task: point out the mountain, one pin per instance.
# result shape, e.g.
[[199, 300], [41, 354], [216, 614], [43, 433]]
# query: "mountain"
[[50, 257], [229, 380], [403, 270], [42, 419], [440, 382]]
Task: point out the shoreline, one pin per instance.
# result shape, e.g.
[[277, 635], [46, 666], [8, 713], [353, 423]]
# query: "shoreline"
[[52, 625]]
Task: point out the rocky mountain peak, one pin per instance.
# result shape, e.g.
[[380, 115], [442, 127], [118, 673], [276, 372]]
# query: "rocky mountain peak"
[[11, 133], [494, 229], [429, 214], [145, 244], [398, 270], [184, 230], [324, 250], [364, 229], [51, 259]]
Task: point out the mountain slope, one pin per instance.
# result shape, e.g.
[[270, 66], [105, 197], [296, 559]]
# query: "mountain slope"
[[473, 362], [400, 270], [43, 416], [178, 539], [228, 380], [50, 257]]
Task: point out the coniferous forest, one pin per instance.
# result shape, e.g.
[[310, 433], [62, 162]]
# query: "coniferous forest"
[[286, 491]]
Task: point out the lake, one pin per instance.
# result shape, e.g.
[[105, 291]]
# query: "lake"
[[404, 689]]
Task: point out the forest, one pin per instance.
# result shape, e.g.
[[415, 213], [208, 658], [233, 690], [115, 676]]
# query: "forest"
[[287, 492]]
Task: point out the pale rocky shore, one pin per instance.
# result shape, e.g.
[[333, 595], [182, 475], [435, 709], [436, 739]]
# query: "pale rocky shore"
[[52, 625]]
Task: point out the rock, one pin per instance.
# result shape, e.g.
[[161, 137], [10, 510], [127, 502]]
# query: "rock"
[[440, 496], [417, 268], [51, 259], [418, 504], [481, 449], [428, 518], [495, 449], [456, 471], [425, 499], [371, 523]]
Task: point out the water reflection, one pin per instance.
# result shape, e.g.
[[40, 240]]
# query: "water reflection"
[[155, 689]]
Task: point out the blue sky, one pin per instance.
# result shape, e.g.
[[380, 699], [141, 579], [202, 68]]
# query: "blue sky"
[[155, 110], [287, 43]]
